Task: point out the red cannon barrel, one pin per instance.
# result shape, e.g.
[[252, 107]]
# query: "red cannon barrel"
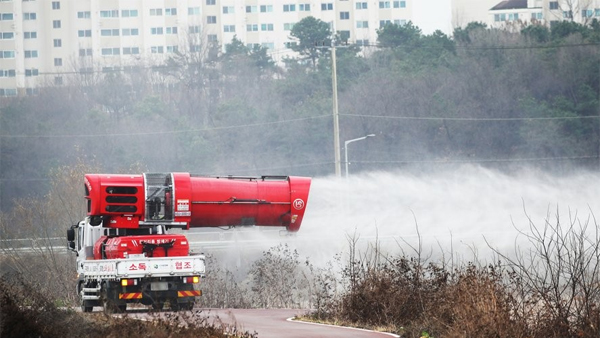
[[184, 200]]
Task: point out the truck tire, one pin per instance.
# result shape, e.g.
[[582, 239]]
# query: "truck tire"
[[181, 306], [86, 306], [110, 305]]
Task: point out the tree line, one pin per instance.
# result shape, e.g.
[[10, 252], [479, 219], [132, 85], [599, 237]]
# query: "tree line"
[[495, 97]]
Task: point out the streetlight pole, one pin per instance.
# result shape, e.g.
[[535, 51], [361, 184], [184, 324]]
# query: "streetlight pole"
[[346, 143]]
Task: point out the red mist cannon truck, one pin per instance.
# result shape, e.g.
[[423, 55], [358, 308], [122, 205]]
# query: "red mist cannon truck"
[[125, 253]]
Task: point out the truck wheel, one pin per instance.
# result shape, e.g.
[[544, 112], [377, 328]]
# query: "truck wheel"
[[189, 306], [86, 307], [110, 306], [182, 306]]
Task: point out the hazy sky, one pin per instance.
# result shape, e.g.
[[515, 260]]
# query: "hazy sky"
[[431, 15]]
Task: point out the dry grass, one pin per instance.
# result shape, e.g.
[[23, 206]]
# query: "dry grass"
[[25, 312]]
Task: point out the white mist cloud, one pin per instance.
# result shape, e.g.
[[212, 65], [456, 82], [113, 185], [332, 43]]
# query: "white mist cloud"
[[453, 211]]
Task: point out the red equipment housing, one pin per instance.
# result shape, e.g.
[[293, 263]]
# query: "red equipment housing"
[[184, 200]]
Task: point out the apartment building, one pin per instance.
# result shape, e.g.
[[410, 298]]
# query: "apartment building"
[[42, 40], [523, 12]]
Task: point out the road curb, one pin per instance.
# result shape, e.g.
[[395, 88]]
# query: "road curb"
[[291, 319]]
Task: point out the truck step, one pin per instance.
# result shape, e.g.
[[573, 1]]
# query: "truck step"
[[90, 297], [90, 293]]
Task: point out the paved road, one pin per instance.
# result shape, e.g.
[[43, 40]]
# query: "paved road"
[[274, 323]]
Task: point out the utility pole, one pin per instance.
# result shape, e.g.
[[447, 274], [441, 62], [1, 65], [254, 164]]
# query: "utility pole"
[[336, 120]]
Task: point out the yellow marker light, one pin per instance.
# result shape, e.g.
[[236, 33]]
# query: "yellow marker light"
[[124, 282], [196, 279]]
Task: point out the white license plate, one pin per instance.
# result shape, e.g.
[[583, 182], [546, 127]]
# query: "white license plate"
[[159, 286]]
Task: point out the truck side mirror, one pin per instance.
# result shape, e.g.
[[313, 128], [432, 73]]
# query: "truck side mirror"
[[72, 245], [71, 235]]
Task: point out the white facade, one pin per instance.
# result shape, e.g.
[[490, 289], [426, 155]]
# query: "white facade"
[[43, 40], [545, 12]]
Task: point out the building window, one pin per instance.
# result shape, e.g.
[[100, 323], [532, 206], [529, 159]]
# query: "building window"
[[252, 28], [304, 7], [56, 23], [327, 7], [57, 43], [568, 14], [8, 92], [211, 19], [212, 37], [211, 2], [268, 45], [289, 8], [362, 24], [131, 50], [7, 73], [85, 52], [7, 54], [157, 49], [130, 32], [30, 35], [156, 30], [111, 51], [400, 22], [194, 48], [194, 29], [155, 11], [84, 33], [171, 30], [109, 14], [251, 9], [587, 13], [109, 32], [513, 16], [31, 72], [29, 16], [6, 16], [500, 17], [84, 15], [288, 26], [266, 27], [57, 62], [266, 8], [170, 11], [344, 15], [553, 4], [194, 11], [345, 35], [7, 35], [30, 54], [129, 13], [32, 91], [361, 5], [399, 4], [383, 23], [229, 28], [172, 49], [55, 4], [290, 44], [228, 9], [536, 16], [384, 4]]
